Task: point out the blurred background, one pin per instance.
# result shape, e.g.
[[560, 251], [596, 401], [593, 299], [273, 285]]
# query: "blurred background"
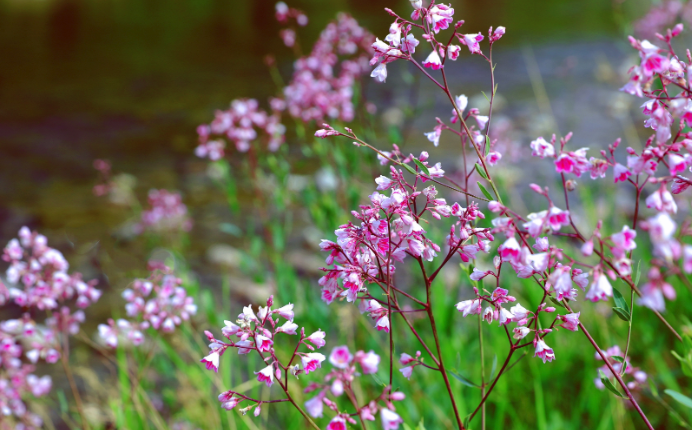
[[130, 80]]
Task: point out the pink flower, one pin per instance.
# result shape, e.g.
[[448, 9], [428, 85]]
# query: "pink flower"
[[337, 423], [409, 43], [390, 419], [317, 338], [621, 173], [573, 162], [379, 72], [315, 406], [543, 351], [212, 361], [453, 52], [662, 200], [677, 164], [340, 357], [433, 61], [521, 332], [625, 239], [383, 324], [561, 281], [493, 158], [470, 307], [263, 343], [285, 312], [600, 289], [312, 361], [542, 149], [570, 321], [369, 361], [228, 401], [440, 17], [266, 375], [471, 41]]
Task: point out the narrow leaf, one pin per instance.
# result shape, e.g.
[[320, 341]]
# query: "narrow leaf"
[[622, 314], [609, 385], [467, 421], [680, 398], [617, 358], [484, 191], [421, 425], [481, 172], [620, 301], [410, 169], [422, 167], [638, 273], [556, 301], [487, 145], [494, 368], [463, 380]]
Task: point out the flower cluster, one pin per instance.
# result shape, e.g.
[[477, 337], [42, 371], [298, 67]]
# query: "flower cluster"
[[388, 231], [256, 332], [40, 281], [241, 124], [322, 85], [616, 358], [340, 380], [663, 15], [158, 302], [166, 213]]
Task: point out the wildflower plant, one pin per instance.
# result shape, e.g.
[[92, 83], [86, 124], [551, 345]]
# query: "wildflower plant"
[[39, 284], [544, 246]]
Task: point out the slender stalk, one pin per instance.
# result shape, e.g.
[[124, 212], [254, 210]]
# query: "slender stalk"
[[480, 338], [629, 333], [497, 378], [616, 374], [439, 354], [302, 412], [64, 359]]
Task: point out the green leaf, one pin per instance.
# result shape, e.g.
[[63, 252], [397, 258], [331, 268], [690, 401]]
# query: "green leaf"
[[494, 368], [609, 385], [622, 314], [378, 380], [407, 427], [421, 425], [484, 191], [487, 145], [556, 301], [481, 172], [422, 167], [680, 398], [653, 388], [685, 363], [617, 358], [463, 380], [620, 301], [467, 421], [638, 273], [410, 169]]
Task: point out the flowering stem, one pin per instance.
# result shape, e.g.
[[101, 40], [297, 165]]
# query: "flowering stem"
[[439, 353], [629, 332], [480, 338], [610, 367], [64, 359], [502, 369], [290, 399]]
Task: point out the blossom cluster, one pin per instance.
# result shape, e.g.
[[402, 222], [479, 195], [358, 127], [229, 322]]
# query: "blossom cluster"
[[241, 124], [158, 302], [39, 280], [256, 332], [323, 82], [340, 380], [617, 361], [166, 213], [389, 230]]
